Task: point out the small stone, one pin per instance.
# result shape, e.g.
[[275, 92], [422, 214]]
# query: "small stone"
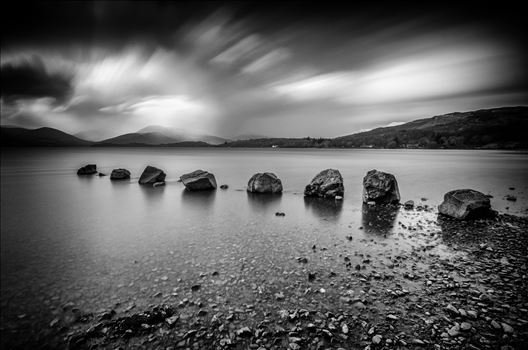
[[195, 287], [244, 332], [454, 331], [418, 342], [344, 329], [376, 339], [392, 317], [172, 320], [54, 322], [452, 309], [506, 328], [495, 324], [472, 314], [465, 326], [224, 187], [311, 276]]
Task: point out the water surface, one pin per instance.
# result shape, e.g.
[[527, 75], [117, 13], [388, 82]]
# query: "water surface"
[[99, 244]]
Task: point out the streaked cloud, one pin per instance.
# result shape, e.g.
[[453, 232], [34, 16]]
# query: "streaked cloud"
[[232, 69]]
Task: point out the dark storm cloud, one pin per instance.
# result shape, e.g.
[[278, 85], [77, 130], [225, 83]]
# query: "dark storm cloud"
[[29, 78]]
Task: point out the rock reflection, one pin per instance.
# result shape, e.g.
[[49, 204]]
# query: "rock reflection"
[[151, 193], [327, 209], [379, 219], [263, 202], [198, 199]]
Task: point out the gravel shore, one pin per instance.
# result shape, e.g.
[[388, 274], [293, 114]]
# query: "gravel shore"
[[475, 297]]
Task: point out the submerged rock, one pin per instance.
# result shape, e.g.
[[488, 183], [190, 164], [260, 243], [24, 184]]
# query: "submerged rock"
[[381, 188], [264, 183], [327, 184], [465, 204], [151, 175], [199, 180], [88, 169], [120, 174]]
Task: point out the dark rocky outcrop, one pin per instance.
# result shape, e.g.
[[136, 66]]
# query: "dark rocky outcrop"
[[465, 204], [264, 183], [199, 180], [151, 175], [327, 184], [381, 188], [89, 169], [120, 174]]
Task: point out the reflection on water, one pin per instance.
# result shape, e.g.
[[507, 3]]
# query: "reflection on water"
[[327, 209], [263, 202], [198, 199], [149, 192], [379, 219]]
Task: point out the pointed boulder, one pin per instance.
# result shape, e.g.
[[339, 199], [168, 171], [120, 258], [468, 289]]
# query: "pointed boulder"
[[199, 180], [151, 175], [327, 184]]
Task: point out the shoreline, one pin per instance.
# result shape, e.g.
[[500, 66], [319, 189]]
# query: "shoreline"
[[474, 298]]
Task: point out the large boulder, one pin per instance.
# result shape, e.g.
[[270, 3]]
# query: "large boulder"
[[120, 174], [88, 169], [465, 204], [264, 183], [327, 184], [380, 188], [151, 175], [199, 180]]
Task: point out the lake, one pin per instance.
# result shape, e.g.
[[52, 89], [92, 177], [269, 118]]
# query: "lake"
[[97, 244]]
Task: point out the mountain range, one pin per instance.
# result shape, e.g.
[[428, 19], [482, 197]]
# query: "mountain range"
[[497, 128]]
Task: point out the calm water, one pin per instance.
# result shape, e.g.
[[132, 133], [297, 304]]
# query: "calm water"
[[99, 244]]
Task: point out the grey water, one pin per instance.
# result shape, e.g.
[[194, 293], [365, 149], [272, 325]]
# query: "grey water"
[[99, 244]]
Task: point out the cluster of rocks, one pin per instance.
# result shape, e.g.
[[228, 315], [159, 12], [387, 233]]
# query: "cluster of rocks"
[[379, 188]]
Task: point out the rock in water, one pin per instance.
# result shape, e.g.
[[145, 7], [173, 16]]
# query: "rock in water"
[[264, 183], [151, 175], [120, 174], [409, 205], [381, 188], [199, 180], [465, 204], [327, 184], [88, 169]]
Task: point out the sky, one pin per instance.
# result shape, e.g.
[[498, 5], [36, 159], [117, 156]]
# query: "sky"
[[291, 69]]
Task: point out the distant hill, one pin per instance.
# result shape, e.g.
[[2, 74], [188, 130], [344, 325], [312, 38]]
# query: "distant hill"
[[174, 144], [20, 137], [498, 128], [151, 138], [179, 135], [504, 128]]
